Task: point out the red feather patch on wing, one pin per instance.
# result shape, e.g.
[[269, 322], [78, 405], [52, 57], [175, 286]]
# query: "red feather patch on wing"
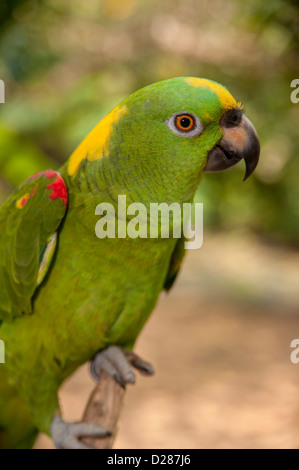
[[59, 190], [58, 186]]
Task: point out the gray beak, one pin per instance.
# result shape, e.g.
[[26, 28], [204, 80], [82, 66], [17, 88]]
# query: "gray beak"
[[239, 141]]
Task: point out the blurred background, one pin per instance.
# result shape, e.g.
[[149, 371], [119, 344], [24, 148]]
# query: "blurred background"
[[220, 341]]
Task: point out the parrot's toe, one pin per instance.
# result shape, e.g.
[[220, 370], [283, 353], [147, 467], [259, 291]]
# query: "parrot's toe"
[[118, 363], [66, 435], [143, 366]]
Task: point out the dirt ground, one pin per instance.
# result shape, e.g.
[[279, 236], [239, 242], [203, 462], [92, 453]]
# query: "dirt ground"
[[220, 345]]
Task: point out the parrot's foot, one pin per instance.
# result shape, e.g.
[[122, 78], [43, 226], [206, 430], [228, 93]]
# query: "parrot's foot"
[[66, 435], [117, 362]]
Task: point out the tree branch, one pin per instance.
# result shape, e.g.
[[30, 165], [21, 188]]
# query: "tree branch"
[[103, 409]]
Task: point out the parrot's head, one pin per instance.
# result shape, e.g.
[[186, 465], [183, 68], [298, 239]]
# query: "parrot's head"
[[162, 138]]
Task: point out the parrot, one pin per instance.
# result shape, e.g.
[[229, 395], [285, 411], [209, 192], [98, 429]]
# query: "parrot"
[[68, 297]]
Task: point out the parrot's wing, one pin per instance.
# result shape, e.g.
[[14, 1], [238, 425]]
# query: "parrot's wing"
[[175, 263], [28, 224]]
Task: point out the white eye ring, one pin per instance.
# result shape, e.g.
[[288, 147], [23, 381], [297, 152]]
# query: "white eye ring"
[[185, 124]]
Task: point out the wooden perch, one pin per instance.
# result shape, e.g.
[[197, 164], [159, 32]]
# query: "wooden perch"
[[103, 409], [105, 402]]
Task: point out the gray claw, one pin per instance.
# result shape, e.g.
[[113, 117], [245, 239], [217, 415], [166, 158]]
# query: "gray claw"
[[117, 363], [143, 366], [66, 435]]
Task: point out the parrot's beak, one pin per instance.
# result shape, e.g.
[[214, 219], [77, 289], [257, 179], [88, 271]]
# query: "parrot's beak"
[[239, 141]]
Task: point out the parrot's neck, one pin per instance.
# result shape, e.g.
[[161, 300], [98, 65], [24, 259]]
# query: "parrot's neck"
[[104, 181], [161, 214]]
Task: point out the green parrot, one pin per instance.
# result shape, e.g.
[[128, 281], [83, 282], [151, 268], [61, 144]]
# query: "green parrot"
[[68, 296]]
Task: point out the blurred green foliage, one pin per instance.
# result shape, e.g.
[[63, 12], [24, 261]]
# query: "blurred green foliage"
[[65, 64]]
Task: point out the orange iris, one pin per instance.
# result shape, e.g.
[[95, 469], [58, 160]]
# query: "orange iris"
[[184, 122]]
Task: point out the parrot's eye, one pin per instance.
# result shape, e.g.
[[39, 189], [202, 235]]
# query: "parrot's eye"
[[185, 124]]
